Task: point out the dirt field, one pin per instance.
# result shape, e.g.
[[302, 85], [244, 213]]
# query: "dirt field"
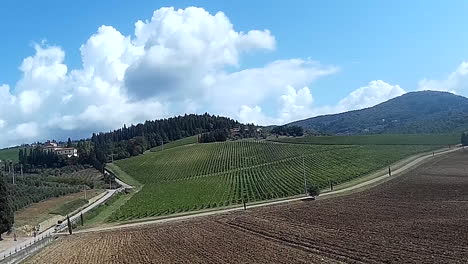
[[420, 217]]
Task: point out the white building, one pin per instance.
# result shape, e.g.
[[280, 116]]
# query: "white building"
[[69, 152], [61, 151]]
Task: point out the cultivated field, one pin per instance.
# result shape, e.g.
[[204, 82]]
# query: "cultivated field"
[[384, 139], [177, 143], [201, 176], [419, 217]]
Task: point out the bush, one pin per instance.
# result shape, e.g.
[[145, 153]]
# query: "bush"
[[313, 190]]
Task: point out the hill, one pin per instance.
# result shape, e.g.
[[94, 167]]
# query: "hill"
[[380, 139], [9, 154], [412, 113], [201, 176]]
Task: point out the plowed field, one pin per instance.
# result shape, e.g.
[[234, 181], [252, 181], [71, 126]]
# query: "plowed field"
[[420, 217]]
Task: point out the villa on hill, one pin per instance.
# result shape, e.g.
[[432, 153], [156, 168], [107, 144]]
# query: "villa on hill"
[[59, 150]]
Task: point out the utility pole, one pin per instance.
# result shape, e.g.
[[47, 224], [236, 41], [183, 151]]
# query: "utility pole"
[[304, 174]]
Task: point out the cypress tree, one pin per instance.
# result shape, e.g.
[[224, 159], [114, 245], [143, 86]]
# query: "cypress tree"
[[6, 209]]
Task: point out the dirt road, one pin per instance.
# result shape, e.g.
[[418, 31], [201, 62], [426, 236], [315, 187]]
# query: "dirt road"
[[374, 179], [420, 217]]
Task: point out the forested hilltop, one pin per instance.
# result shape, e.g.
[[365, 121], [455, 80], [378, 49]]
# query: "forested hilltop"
[[412, 113], [135, 139]]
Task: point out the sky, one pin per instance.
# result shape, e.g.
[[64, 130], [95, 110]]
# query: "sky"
[[71, 68]]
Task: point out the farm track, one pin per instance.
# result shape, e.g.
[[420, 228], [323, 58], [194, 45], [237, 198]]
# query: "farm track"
[[411, 218]]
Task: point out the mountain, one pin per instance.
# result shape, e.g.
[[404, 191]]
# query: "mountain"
[[414, 112]]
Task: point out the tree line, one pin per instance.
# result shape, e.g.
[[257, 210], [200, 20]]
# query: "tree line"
[[6, 208], [131, 141], [295, 131]]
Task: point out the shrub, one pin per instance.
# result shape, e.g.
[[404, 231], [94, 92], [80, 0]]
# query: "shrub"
[[313, 190]]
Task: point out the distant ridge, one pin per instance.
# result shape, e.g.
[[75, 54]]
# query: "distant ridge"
[[413, 112]]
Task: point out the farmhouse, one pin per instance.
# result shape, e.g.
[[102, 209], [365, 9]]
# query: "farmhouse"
[[69, 152], [62, 151]]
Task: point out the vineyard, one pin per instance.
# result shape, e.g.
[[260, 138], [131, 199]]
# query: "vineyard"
[[35, 187], [403, 139], [400, 221], [176, 143], [201, 176]]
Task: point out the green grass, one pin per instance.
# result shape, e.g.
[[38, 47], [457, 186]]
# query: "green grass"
[[384, 139], [9, 154], [122, 175], [100, 214], [204, 176], [177, 143], [69, 207]]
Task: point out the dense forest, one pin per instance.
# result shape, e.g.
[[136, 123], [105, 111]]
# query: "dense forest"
[[295, 131], [135, 139]]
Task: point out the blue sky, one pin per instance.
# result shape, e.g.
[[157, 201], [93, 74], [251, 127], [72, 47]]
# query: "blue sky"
[[402, 45]]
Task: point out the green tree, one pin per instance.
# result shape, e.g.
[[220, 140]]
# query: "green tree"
[[6, 209], [69, 143], [313, 190]]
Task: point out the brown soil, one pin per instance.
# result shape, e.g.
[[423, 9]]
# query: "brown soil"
[[420, 217]]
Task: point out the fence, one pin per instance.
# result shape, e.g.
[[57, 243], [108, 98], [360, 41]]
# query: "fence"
[[26, 249]]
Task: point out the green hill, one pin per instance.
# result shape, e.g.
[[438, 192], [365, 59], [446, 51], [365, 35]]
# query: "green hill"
[[411, 113], [380, 139], [200, 176], [9, 154]]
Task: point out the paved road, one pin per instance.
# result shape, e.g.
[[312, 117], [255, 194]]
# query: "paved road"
[[52, 230], [375, 180]]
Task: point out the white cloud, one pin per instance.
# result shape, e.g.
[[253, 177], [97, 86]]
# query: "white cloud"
[[297, 104], [182, 46], [30, 101], [158, 71], [25, 130], [178, 61], [374, 93], [456, 82]]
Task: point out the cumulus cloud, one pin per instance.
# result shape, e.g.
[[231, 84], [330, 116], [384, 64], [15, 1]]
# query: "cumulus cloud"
[[296, 104], [182, 46], [25, 130], [375, 92], [178, 61], [456, 82]]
